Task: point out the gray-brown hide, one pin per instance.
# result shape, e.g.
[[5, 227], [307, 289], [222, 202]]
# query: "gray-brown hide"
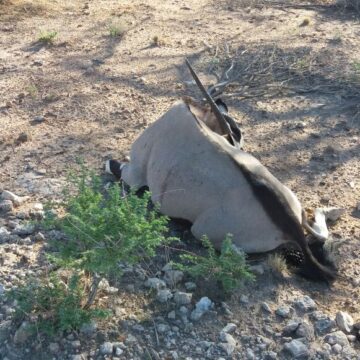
[[194, 173]]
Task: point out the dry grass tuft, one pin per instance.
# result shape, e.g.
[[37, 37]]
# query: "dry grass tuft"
[[277, 264]]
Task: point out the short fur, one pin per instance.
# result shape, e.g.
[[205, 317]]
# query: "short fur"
[[197, 175]]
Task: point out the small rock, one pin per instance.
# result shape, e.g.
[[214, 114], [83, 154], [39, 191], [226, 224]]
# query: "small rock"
[[324, 326], [22, 333], [78, 357], [257, 269], [265, 306], [155, 283], [4, 235], [89, 328], [337, 348], [23, 137], [76, 344], [106, 348], [201, 307], [39, 237], [22, 215], [250, 354], [138, 328], [291, 327], [297, 349], [6, 206], [162, 328], [173, 277], [184, 310], [244, 299], [24, 229], [305, 330], [171, 315], [131, 339], [344, 321], [228, 343], [229, 328], [54, 348], [38, 120], [164, 295], [337, 337], [17, 200], [283, 311], [182, 298], [118, 351], [305, 304], [190, 286], [5, 328], [270, 355]]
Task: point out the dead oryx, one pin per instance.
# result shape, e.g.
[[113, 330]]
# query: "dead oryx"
[[192, 162]]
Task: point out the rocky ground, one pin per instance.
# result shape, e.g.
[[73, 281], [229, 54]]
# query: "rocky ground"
[[89, 95]]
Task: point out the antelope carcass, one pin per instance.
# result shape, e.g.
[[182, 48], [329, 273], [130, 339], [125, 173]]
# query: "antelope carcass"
[[196, 171]]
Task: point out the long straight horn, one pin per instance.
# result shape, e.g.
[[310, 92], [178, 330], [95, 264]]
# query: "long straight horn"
[[223, 124]]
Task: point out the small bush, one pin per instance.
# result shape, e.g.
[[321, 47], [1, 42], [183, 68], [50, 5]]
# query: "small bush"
[[277, 264], [103, 229], [47, 37], [229, 268], [52, 306], [116, 29]]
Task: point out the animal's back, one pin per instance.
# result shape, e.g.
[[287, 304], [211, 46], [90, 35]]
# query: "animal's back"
[[193, 180]]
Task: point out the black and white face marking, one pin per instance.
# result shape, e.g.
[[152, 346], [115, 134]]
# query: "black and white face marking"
[[114, 167]]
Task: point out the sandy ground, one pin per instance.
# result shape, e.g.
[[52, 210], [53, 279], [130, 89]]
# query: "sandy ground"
[[89, 95]]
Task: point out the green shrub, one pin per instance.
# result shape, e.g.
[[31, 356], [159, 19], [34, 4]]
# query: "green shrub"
[[116, 29], [52, 306], [229, 268], [103, 229], [47, 37]]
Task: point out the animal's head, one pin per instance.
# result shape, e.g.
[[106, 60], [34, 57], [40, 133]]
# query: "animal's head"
[[227, 125]]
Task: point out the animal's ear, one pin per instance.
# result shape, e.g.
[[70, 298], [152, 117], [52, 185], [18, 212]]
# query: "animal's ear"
[[221, 105]]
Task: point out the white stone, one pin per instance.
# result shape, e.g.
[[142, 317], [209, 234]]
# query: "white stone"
[[155, 283], [4, 234], [204, 304], [337, 348], [182, 298], [344, 321], [337, 337], [164, 295], [228, 343], [229, 328], [106, 348], [6, 205]]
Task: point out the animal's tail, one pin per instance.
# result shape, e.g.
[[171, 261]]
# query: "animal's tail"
[[114, 167], [312, 269]]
